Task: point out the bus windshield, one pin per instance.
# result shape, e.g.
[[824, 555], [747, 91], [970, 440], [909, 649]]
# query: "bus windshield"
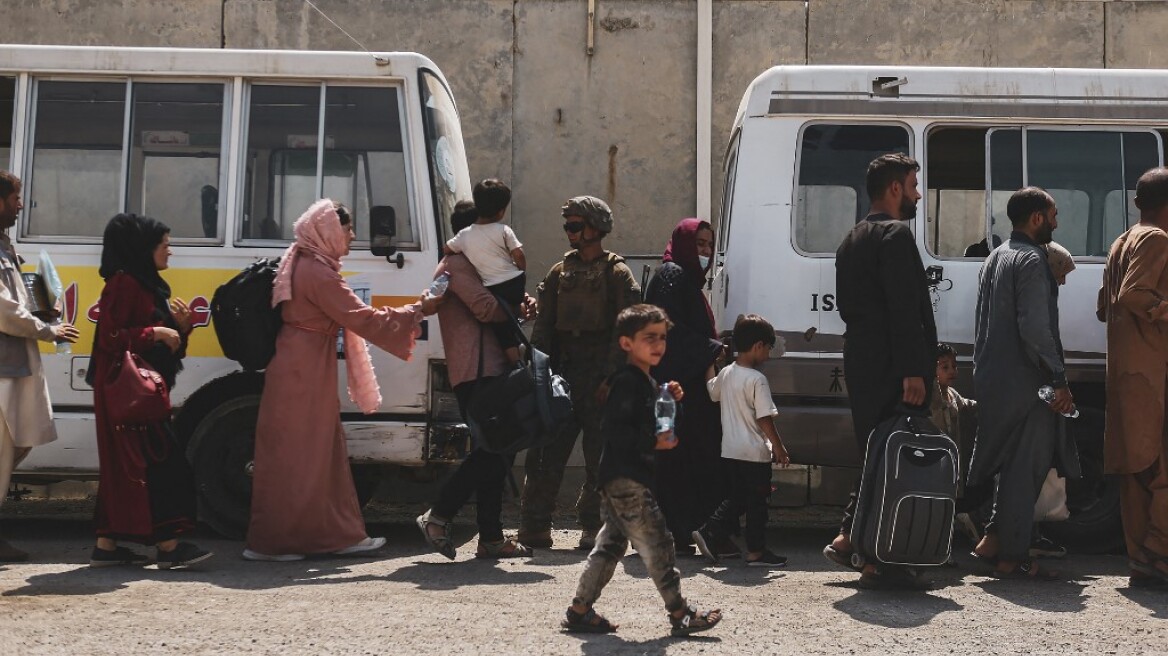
[[449, 176]]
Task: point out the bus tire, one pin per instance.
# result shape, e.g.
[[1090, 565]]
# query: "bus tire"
[[218, 427], [1095, 525]]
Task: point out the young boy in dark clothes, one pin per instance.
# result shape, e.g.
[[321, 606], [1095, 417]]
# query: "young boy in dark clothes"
[[625, 479]]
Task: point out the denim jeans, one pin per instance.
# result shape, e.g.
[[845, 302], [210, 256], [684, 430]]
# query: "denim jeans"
[[631, 514]]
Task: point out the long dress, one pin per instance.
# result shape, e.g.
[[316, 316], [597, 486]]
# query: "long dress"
[[690, 477], [303, 499], [146, 491]]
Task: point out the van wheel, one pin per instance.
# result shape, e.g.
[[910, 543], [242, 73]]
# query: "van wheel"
[[1095, 525], [218, 427]]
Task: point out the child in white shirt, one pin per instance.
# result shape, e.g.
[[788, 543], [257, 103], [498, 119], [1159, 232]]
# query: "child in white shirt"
[[495, 251], [750, 443]]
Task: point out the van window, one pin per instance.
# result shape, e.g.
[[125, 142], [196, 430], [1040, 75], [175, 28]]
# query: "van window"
[[955, 177], [728, 193], [7, 108], [830, 192], [175, 144], [1090, 173], [74, 180]]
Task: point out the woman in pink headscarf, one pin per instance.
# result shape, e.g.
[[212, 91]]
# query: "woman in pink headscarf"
[[303, 499]]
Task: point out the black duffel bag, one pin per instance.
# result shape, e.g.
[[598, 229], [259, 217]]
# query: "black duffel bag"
[[525, 408]]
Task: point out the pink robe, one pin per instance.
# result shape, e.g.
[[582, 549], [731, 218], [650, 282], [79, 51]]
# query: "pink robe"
[[303, 500]]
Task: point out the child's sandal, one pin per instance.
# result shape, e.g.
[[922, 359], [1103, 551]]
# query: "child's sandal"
[[440, 543], [589, 622], [694, 621]]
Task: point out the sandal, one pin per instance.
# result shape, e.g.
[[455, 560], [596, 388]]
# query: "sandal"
[[440, 543], [1027, 570], [1150, 566], [991, 561], [590, 622], [694, 621], [509, 548]]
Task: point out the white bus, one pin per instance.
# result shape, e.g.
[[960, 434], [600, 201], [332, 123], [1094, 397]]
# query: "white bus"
[[228, 147], [794, 173]]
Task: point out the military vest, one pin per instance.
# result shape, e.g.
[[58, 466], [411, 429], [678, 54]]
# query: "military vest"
[[583, 298]]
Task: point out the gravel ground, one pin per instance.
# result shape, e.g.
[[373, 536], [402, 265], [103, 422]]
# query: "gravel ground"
[[409, 600]]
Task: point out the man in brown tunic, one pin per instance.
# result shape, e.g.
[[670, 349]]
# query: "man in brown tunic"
[[1134, 302]]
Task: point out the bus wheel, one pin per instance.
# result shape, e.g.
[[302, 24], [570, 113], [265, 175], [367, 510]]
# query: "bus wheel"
[[221, 450], [1094, 525]]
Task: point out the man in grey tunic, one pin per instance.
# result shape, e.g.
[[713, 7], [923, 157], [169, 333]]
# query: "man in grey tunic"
[[1017, 350]]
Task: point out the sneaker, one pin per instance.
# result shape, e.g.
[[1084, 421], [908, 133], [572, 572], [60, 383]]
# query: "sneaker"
[[115, 557], [703, 540], [248, 554], [587, 540], [10, 554], [768, 559], [363, 547], [184, 555], [1043, 547]]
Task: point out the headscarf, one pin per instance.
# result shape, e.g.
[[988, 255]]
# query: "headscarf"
[[1060, 260], [320, 235], [127, 246], [682, 250]]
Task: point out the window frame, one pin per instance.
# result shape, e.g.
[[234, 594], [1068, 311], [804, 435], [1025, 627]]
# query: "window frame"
[[729, 180], [908, 129]]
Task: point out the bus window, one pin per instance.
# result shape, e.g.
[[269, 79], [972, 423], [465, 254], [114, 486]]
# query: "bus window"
[[176, 141], [282, 183], [449, 177], [1090, 174], [364, 124], [956, 187], [7, 106], [831, 196], [73, 187]]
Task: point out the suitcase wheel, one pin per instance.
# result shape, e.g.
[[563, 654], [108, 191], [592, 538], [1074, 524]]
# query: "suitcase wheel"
[[858, 561]]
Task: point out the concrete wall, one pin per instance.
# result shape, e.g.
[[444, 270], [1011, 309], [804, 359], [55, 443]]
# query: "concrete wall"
[[542, 113]]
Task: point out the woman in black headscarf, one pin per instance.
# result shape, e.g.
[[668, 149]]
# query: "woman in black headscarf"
[[146, 492], [690, 481]]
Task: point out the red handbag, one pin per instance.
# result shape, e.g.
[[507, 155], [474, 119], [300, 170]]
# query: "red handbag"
[[137, 393]]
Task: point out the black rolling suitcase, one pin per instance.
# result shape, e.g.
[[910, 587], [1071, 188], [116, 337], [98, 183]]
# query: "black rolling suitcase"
[[904, 513]]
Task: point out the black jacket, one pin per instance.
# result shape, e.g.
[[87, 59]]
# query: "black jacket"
[[629, 427]]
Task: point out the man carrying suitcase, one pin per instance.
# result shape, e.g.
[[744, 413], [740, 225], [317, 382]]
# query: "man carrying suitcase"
[[883, 298]]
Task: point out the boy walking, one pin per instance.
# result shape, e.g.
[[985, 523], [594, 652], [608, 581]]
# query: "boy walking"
[[750, 443], [625, 481]]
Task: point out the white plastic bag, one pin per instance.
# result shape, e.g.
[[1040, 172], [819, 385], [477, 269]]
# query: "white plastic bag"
[[1052, 500]]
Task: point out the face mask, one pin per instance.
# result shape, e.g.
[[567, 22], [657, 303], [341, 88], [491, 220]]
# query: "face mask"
[[703, 261]]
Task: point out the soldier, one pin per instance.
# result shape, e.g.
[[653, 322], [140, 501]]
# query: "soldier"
[[578, 303]]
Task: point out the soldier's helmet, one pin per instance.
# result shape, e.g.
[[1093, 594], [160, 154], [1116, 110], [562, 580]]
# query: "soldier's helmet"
[[594, 211]]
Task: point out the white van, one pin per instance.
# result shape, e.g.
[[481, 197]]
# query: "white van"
[[794, 185], [229, 147]]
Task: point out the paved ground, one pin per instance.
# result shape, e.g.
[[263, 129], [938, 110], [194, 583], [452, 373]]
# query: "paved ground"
[[411, 601]]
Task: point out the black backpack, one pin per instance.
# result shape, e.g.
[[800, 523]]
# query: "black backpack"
[[244, 319]]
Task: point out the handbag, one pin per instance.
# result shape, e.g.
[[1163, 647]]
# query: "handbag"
[[1052, 499], [524, 408], [137, 393]]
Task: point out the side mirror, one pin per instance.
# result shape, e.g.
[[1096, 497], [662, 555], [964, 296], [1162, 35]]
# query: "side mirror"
[[382, 230]]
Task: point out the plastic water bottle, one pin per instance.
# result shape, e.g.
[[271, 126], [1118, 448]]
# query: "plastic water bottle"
[[666, 411], [439, 286], [1046, 393]]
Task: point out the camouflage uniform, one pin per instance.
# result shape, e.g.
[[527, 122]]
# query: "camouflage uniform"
[[578, 304]]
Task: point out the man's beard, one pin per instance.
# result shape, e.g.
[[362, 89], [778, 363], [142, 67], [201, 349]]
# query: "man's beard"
[[908, 209], [1045, 234]]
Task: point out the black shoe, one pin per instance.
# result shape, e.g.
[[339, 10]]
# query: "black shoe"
[[115, 557], [768, 559], [184, 555]]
